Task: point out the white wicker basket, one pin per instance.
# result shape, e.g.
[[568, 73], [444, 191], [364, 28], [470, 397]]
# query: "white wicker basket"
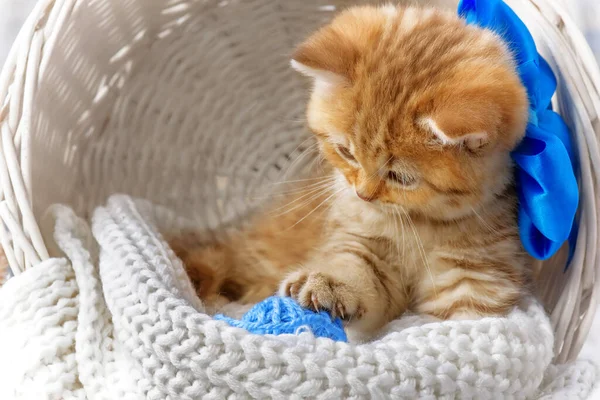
[[167, 99]]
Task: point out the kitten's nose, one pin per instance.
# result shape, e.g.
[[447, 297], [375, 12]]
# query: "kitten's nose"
[[363, 197]]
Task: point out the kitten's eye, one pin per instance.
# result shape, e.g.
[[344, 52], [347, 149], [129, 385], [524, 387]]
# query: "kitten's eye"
[[401, 179], [345, 152]]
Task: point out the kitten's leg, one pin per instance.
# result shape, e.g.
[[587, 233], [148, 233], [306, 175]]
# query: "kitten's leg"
[[208, 267], [351, 282], [221, 274], [249, 264], [461, 287]]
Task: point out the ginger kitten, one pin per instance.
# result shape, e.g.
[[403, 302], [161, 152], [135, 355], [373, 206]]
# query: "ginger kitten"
[[416, 114]]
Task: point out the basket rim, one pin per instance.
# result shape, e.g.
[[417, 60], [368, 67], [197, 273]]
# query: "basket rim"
[[20, 237]]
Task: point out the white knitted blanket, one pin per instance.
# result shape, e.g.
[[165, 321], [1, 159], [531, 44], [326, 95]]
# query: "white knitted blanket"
[[115, 317]]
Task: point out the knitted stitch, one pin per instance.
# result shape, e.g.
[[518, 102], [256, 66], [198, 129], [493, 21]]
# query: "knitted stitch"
[[122, 321]]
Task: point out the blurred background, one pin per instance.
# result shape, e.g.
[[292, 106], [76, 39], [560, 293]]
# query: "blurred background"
[[586, 14], [13, 12]]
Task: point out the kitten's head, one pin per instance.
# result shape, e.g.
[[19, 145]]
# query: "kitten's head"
[[414, 108]]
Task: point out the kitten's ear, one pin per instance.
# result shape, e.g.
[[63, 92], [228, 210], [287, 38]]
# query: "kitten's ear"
[[473, 124], [322, 78], [474, 141], [480, 112], [330, 55]]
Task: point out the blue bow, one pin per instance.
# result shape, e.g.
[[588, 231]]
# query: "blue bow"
[[545, 162]]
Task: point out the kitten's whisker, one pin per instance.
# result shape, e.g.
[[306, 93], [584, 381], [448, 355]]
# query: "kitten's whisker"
[[395, 216], [317, 207], [318, 159], [403, 236], [370, 195], [330, 206], [281, 195], [310, 137], [422, 251], [377, 174], [384, 164], [402, 210], [314, 194], [299, 180], [309, 150], [306, 187], [399, 217], [304, 151], [406, 293], [294, 191], [321, 162], [311, 167], [379, 178], [390, 244], [485, 223], [302, 200]]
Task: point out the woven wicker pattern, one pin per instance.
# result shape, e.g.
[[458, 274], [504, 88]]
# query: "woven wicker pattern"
[[572, 297], [191, 104]]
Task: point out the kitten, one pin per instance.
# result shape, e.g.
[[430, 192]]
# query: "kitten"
[[415, 113]]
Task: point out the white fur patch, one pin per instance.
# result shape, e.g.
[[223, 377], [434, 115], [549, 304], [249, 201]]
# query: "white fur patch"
[[390, 10], [472, 138], [323, 80], [410, 18], [337, 138]]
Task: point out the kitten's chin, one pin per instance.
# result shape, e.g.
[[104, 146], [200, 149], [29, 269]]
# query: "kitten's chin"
[[388, 208], [441, 214]]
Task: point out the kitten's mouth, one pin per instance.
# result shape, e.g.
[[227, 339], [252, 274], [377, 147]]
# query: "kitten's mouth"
[[376, 204]]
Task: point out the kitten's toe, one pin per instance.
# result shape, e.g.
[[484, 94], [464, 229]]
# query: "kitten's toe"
[[338, 311], [322, 292], [315, 302], [317, 293], [292, 285]]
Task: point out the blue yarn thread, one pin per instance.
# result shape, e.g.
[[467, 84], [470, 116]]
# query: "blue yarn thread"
[[282, 315]]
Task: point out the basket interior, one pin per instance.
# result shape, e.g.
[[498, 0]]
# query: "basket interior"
[[190, 104]]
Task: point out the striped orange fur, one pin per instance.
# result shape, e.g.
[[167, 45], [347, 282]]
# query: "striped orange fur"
[[415, 114]]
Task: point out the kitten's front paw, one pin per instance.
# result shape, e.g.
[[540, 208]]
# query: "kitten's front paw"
[[322, 292]]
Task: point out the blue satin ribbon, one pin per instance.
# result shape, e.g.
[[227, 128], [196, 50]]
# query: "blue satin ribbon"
[[545, 159]]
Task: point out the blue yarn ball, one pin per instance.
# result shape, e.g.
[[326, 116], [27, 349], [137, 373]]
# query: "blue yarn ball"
[[282, 315]]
